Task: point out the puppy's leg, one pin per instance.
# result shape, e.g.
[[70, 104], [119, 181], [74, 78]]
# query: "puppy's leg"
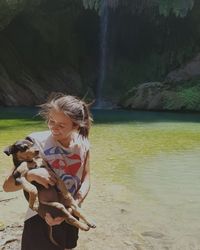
[[33, 193], [79, 213], [66, 214], [65, 193], [71, 203]]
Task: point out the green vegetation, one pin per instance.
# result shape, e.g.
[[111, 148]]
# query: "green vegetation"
[[190, 97], [186, 96], [166, 7]]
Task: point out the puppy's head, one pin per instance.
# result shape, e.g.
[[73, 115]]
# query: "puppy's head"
[[22, 150]]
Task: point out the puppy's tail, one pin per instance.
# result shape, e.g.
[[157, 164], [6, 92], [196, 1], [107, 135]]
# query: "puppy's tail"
[[51, 237]]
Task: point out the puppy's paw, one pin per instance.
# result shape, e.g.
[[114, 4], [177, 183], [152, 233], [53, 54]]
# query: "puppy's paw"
[[92, 225]]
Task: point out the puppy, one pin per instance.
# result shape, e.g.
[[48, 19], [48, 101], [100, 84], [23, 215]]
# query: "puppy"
[[42, 200]]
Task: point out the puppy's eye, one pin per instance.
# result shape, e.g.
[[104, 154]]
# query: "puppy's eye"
[[24, 147]]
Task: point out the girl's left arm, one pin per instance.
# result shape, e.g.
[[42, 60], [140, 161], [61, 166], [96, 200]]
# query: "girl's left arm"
[[85, 186]]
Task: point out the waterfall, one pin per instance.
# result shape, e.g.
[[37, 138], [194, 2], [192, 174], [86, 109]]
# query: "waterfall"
[[103, 53]]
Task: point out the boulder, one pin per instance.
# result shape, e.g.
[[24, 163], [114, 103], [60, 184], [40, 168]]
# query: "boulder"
[[186, 72], [146, 96]]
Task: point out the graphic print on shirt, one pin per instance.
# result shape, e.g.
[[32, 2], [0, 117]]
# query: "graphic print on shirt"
[[55, 151], [67, 165], [72, 183]]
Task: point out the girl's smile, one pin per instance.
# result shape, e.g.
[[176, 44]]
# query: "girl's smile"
[[61, 126]]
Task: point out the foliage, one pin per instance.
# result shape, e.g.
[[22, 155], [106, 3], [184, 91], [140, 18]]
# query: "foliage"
[[10, 8], [178, 7], [190, 98], [91, 4], [185, 97], [126, 74], [166, 7]]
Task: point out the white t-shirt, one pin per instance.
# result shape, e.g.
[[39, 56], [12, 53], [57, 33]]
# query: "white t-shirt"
[[68, 163]]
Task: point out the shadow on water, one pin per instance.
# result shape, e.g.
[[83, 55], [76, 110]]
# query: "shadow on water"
[[124, 116], [101, 116], [19, 113]]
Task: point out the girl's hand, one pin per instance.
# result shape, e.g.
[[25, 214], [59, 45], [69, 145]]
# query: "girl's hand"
[[53, 221], [42, 176]]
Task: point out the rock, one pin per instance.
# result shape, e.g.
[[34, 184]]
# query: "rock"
[[188, 71], [155, 235], [145, 96], [122, 210], [2, 226], [128, 243], [164, 96]]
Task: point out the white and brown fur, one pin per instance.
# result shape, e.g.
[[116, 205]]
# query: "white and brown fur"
[[44, 200]]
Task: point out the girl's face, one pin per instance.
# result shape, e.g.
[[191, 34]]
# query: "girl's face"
[[61, 126]]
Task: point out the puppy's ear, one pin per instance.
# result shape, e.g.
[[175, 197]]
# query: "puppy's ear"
[[29, 139], [8, 150]]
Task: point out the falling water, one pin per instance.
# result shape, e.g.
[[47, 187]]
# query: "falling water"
[[103, 53]]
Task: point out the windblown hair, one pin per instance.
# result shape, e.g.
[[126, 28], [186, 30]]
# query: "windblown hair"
[[71, 106]]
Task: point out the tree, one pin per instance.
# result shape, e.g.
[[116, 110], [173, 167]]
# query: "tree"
[[166, 7], [10, 8]]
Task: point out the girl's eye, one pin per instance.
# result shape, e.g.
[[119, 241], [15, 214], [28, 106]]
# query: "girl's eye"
[[51, 122]]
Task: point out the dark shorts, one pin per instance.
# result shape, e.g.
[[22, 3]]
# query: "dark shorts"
[[36, 235]]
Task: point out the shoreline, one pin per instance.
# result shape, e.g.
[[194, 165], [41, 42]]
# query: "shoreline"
[[119, 224]]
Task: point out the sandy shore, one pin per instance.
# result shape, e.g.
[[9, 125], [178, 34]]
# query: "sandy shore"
[[118, 223], [114, 229]]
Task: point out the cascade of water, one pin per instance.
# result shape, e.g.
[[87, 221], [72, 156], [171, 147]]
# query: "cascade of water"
[[103, 53]]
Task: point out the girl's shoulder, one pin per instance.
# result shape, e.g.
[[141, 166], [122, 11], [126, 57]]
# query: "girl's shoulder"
[[40, 136], [80, 142]]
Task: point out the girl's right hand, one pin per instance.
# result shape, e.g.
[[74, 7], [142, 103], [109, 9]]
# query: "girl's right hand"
[[42, 176]]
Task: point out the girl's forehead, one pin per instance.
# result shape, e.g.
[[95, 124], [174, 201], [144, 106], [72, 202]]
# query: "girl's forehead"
[[59, 116]]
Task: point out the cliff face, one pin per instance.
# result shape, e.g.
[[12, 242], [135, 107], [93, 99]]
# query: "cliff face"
[[19, 86], [10, 9], [179, 91], [48, 45], [39, 53]]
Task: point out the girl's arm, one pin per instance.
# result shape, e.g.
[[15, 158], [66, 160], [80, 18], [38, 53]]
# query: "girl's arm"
[[40, 175], [85, 186]]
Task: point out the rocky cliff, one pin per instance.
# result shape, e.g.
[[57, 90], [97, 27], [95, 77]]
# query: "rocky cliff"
[[179, 91]]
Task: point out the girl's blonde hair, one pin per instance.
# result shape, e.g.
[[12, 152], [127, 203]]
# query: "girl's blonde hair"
[[71, 106]]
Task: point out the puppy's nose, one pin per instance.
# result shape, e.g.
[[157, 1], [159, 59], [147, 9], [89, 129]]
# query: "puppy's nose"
[[37, 151]]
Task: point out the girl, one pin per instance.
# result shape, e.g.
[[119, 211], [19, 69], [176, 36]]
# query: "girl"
[[66, 148]]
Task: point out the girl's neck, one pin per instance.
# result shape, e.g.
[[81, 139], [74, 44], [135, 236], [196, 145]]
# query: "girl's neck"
[[67, 141]]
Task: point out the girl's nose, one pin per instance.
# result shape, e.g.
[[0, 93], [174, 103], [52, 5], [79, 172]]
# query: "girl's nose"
[[53, 126]]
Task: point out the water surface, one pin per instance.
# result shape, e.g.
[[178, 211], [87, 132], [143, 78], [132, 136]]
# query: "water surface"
[[156, 157], [148, 162]]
